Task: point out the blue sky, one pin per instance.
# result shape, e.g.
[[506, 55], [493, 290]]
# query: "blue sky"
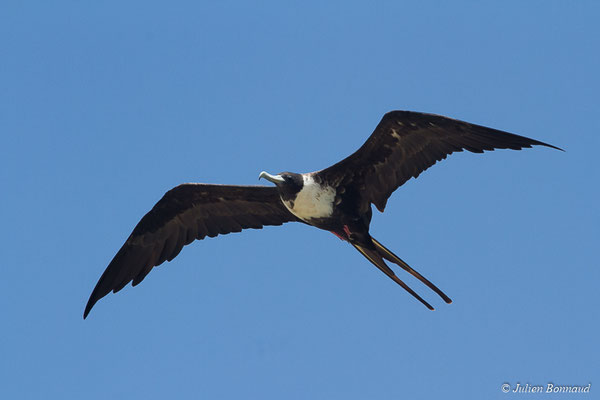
[[104, 106]]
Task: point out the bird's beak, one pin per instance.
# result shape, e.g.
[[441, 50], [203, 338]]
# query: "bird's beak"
[[271, 178]]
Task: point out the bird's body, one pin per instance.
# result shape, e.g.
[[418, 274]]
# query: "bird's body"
[[325, 206], [336, 199]]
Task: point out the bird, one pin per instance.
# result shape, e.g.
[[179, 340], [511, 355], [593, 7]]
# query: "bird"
[[338, 199]]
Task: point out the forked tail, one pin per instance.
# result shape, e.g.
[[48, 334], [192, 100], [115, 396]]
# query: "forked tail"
[[380, 252], [388, 255]]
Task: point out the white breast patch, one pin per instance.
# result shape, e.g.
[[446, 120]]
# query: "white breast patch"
[[313, 201]]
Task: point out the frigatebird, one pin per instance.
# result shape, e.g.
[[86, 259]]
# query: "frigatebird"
[[336, 199]]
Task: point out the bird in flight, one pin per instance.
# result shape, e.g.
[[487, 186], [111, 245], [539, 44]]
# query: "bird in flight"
[[337, 199]]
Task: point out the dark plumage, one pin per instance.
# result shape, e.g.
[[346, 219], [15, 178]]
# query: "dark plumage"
[[185, 213], [337, 199]]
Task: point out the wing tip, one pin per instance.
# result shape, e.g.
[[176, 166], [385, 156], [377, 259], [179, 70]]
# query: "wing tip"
[[538, 143], [94, 297], [88, 308], [555, 147]]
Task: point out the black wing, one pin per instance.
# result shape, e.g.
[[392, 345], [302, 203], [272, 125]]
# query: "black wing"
[[185, 213], [406, 143]]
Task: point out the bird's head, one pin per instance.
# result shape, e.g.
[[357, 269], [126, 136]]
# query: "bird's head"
[[288, 183]]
